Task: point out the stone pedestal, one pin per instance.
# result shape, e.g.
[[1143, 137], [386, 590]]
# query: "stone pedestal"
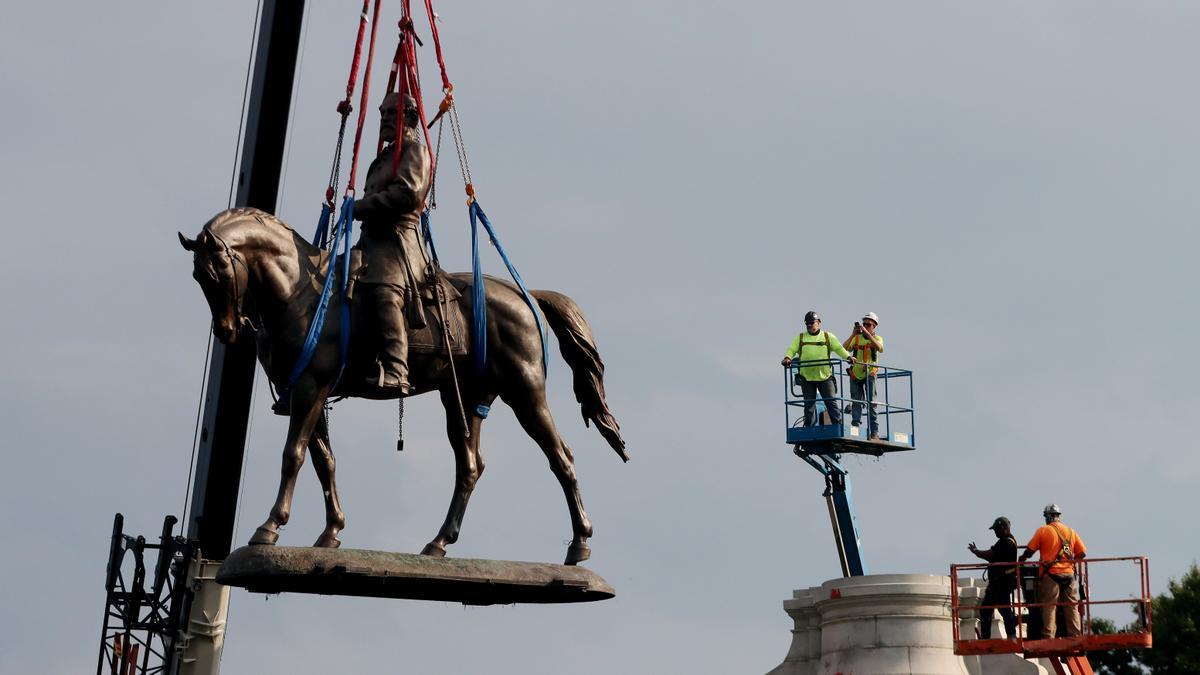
[[888, 623], [970, 594], [884, 624], [804, 656]]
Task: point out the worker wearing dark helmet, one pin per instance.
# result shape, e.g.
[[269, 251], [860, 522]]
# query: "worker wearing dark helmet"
[[1002, 579], [394, 264], [812, 349], [1058, 546]]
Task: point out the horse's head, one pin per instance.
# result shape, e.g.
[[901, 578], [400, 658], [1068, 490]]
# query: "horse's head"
[[224, 277]]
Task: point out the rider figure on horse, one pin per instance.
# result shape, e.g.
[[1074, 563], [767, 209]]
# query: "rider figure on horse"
[[394, 264]]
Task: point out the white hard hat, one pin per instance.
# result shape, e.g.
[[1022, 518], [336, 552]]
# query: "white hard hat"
[[1052, 510], [872, 316]]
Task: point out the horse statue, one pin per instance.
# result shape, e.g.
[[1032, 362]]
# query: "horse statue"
[[260, 277]]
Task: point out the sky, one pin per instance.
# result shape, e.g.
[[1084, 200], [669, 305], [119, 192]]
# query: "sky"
[[1011, 187]]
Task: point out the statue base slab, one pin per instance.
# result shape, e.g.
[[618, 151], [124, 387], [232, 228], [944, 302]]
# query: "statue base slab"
[[383, 574]]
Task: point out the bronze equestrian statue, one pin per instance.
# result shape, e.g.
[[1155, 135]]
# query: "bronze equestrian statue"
[[262, 279]]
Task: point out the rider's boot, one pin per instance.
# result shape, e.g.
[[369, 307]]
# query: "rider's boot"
[[393, 348]]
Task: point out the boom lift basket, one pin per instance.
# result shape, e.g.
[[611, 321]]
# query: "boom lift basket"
[[891, 396], [1028, 641]]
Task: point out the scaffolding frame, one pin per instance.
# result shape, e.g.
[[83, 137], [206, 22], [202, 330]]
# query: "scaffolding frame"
[[143, 626]]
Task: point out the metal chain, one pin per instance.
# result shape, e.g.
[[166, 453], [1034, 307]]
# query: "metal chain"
[[459, 146], [335, 173], [437, 159], [400, 424]]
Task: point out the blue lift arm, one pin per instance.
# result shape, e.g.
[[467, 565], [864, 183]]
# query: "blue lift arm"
[[841, 511], [821, 438]]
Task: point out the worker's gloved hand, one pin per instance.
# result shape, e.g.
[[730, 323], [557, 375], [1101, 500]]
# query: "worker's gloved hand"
[[787, 360], [852, 360]]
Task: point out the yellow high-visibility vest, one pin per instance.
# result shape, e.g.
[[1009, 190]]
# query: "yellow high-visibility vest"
[[865, 352]]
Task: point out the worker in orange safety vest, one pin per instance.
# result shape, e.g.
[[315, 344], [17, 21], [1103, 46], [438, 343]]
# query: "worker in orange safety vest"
[[1058, 547]]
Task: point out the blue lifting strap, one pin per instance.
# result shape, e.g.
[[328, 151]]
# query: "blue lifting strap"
[[427, 235], [320, 236], [341, 234], [478, 296], [320, 240]]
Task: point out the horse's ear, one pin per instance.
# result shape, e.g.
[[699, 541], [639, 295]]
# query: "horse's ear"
[[187, 244]]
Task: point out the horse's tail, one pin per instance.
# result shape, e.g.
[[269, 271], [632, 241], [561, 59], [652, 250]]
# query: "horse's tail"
[[578, 348]]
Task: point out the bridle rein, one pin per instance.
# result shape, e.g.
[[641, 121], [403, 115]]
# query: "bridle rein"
[[240, 286]]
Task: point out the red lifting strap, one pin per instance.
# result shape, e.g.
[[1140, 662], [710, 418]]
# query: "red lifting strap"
[[362, 104], [437, 45], [405, 73], [344, 105]]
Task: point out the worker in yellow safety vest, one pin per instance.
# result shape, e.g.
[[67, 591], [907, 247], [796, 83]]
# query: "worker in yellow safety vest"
[[812, 350], [866, 345]]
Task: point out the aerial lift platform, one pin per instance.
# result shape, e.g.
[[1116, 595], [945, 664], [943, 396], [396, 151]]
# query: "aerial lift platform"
[[822, 444], [1067, 654]]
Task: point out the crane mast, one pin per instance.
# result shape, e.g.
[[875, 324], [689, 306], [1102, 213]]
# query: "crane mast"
[[189, 640]]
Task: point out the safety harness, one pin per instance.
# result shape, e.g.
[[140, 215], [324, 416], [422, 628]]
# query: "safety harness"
[[1065, 552], [824, 341], [865, 352]]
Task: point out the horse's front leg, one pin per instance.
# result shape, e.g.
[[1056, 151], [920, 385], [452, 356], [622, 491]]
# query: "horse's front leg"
[[468, 466], [307, 406], [323, 463]]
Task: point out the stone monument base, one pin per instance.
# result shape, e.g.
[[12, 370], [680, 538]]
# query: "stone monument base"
[[335, 571], [883, 624]]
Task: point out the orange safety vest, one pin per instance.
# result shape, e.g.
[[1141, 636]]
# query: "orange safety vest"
[[863, 350]]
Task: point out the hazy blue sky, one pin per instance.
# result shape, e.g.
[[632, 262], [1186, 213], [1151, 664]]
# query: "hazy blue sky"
[[1011, 186]]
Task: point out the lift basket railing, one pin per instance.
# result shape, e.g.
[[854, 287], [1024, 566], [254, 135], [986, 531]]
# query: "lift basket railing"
[[891, 391], [1028, 611]]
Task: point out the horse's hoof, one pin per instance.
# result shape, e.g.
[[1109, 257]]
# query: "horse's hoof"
[[432, 549], [577, 552], [264, 537], [328, 541]]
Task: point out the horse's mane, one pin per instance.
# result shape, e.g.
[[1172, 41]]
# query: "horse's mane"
[[244, 223], [230, 218]]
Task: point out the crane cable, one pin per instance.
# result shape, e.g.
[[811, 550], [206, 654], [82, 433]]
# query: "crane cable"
[[187, 493]]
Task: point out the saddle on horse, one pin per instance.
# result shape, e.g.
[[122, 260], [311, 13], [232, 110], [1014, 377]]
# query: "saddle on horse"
[[438, 328], [424, 322], [449, 311]]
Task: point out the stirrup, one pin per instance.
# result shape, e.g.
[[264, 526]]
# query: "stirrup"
[[380, 382]]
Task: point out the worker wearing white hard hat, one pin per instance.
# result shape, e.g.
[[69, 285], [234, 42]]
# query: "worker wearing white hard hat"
[[866, 345]]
